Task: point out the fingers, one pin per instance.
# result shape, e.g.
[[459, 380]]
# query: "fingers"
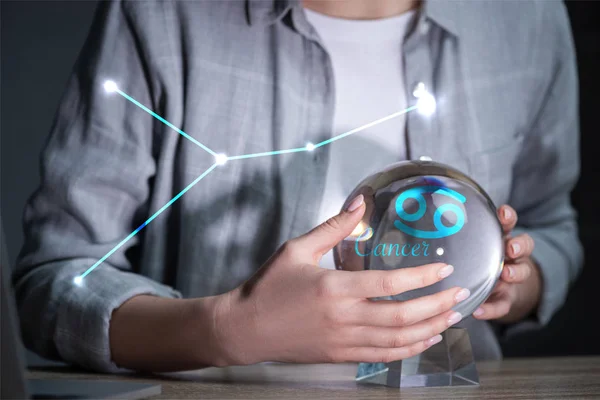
[[377, 354], [497, 306], [399, 337], [388, 313], [519, 246], [325, 236], [516, 273], [517, 251], [375, 283], [508, 218]]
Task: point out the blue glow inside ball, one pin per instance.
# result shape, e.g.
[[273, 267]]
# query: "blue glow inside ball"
[[420, 212]]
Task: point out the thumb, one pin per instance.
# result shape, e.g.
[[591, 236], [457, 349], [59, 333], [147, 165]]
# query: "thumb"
[[325, 236]]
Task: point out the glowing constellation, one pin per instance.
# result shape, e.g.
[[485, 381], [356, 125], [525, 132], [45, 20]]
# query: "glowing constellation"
[[425, 104]]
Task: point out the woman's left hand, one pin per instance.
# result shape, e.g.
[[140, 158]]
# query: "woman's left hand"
[[518, 291]]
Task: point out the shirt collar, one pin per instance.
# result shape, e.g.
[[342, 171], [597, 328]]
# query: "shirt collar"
[[265, 12], [442, 12]]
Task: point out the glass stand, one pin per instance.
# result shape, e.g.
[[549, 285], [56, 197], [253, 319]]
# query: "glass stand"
[[448, 363]]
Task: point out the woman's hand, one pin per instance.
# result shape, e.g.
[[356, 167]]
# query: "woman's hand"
[[293, 311], [518, 292]]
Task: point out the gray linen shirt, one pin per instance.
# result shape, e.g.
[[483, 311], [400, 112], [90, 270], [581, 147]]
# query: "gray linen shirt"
[[248, 77]]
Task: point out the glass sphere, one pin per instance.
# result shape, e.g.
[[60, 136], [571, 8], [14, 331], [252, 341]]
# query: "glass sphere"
[[421, 212]]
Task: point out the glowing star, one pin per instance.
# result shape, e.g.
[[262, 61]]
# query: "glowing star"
[[419, 90], [78, 280], [310, 146], [426, 104], [221, 159], [110, 87]]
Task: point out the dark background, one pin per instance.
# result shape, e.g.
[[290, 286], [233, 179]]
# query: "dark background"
[[40, 41]]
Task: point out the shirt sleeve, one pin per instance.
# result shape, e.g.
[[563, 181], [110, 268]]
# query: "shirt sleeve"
[[548, 166], [96, 173]]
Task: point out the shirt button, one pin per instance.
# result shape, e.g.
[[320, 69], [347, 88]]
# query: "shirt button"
[[424, 27], [424, 158], [418, 89]]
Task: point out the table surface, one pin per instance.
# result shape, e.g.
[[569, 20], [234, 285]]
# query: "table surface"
[[547, 378]]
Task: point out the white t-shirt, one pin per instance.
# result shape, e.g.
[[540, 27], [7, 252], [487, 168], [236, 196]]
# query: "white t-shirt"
[[369, 84]]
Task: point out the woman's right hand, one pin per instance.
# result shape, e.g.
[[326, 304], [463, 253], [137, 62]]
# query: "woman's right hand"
[[292, 310]]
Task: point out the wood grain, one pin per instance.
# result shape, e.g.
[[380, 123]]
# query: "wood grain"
[[544, 378]]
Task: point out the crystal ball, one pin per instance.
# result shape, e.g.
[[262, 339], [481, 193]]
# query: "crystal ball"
[[421, 212]]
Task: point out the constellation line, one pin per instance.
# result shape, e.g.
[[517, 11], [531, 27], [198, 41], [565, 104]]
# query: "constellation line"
[[365, 126], [267, 153], [142, 226], [110, 86], [164, 121], [328, 141]]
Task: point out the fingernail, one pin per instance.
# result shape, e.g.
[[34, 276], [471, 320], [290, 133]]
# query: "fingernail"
[[478, 312], [516, 248], [356, 202], [462, 295], [434, 340], [511, 272], [454, 318], [445, 271], [507, 213]]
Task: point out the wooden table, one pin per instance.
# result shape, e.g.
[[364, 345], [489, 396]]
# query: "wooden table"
[[547, 378]]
